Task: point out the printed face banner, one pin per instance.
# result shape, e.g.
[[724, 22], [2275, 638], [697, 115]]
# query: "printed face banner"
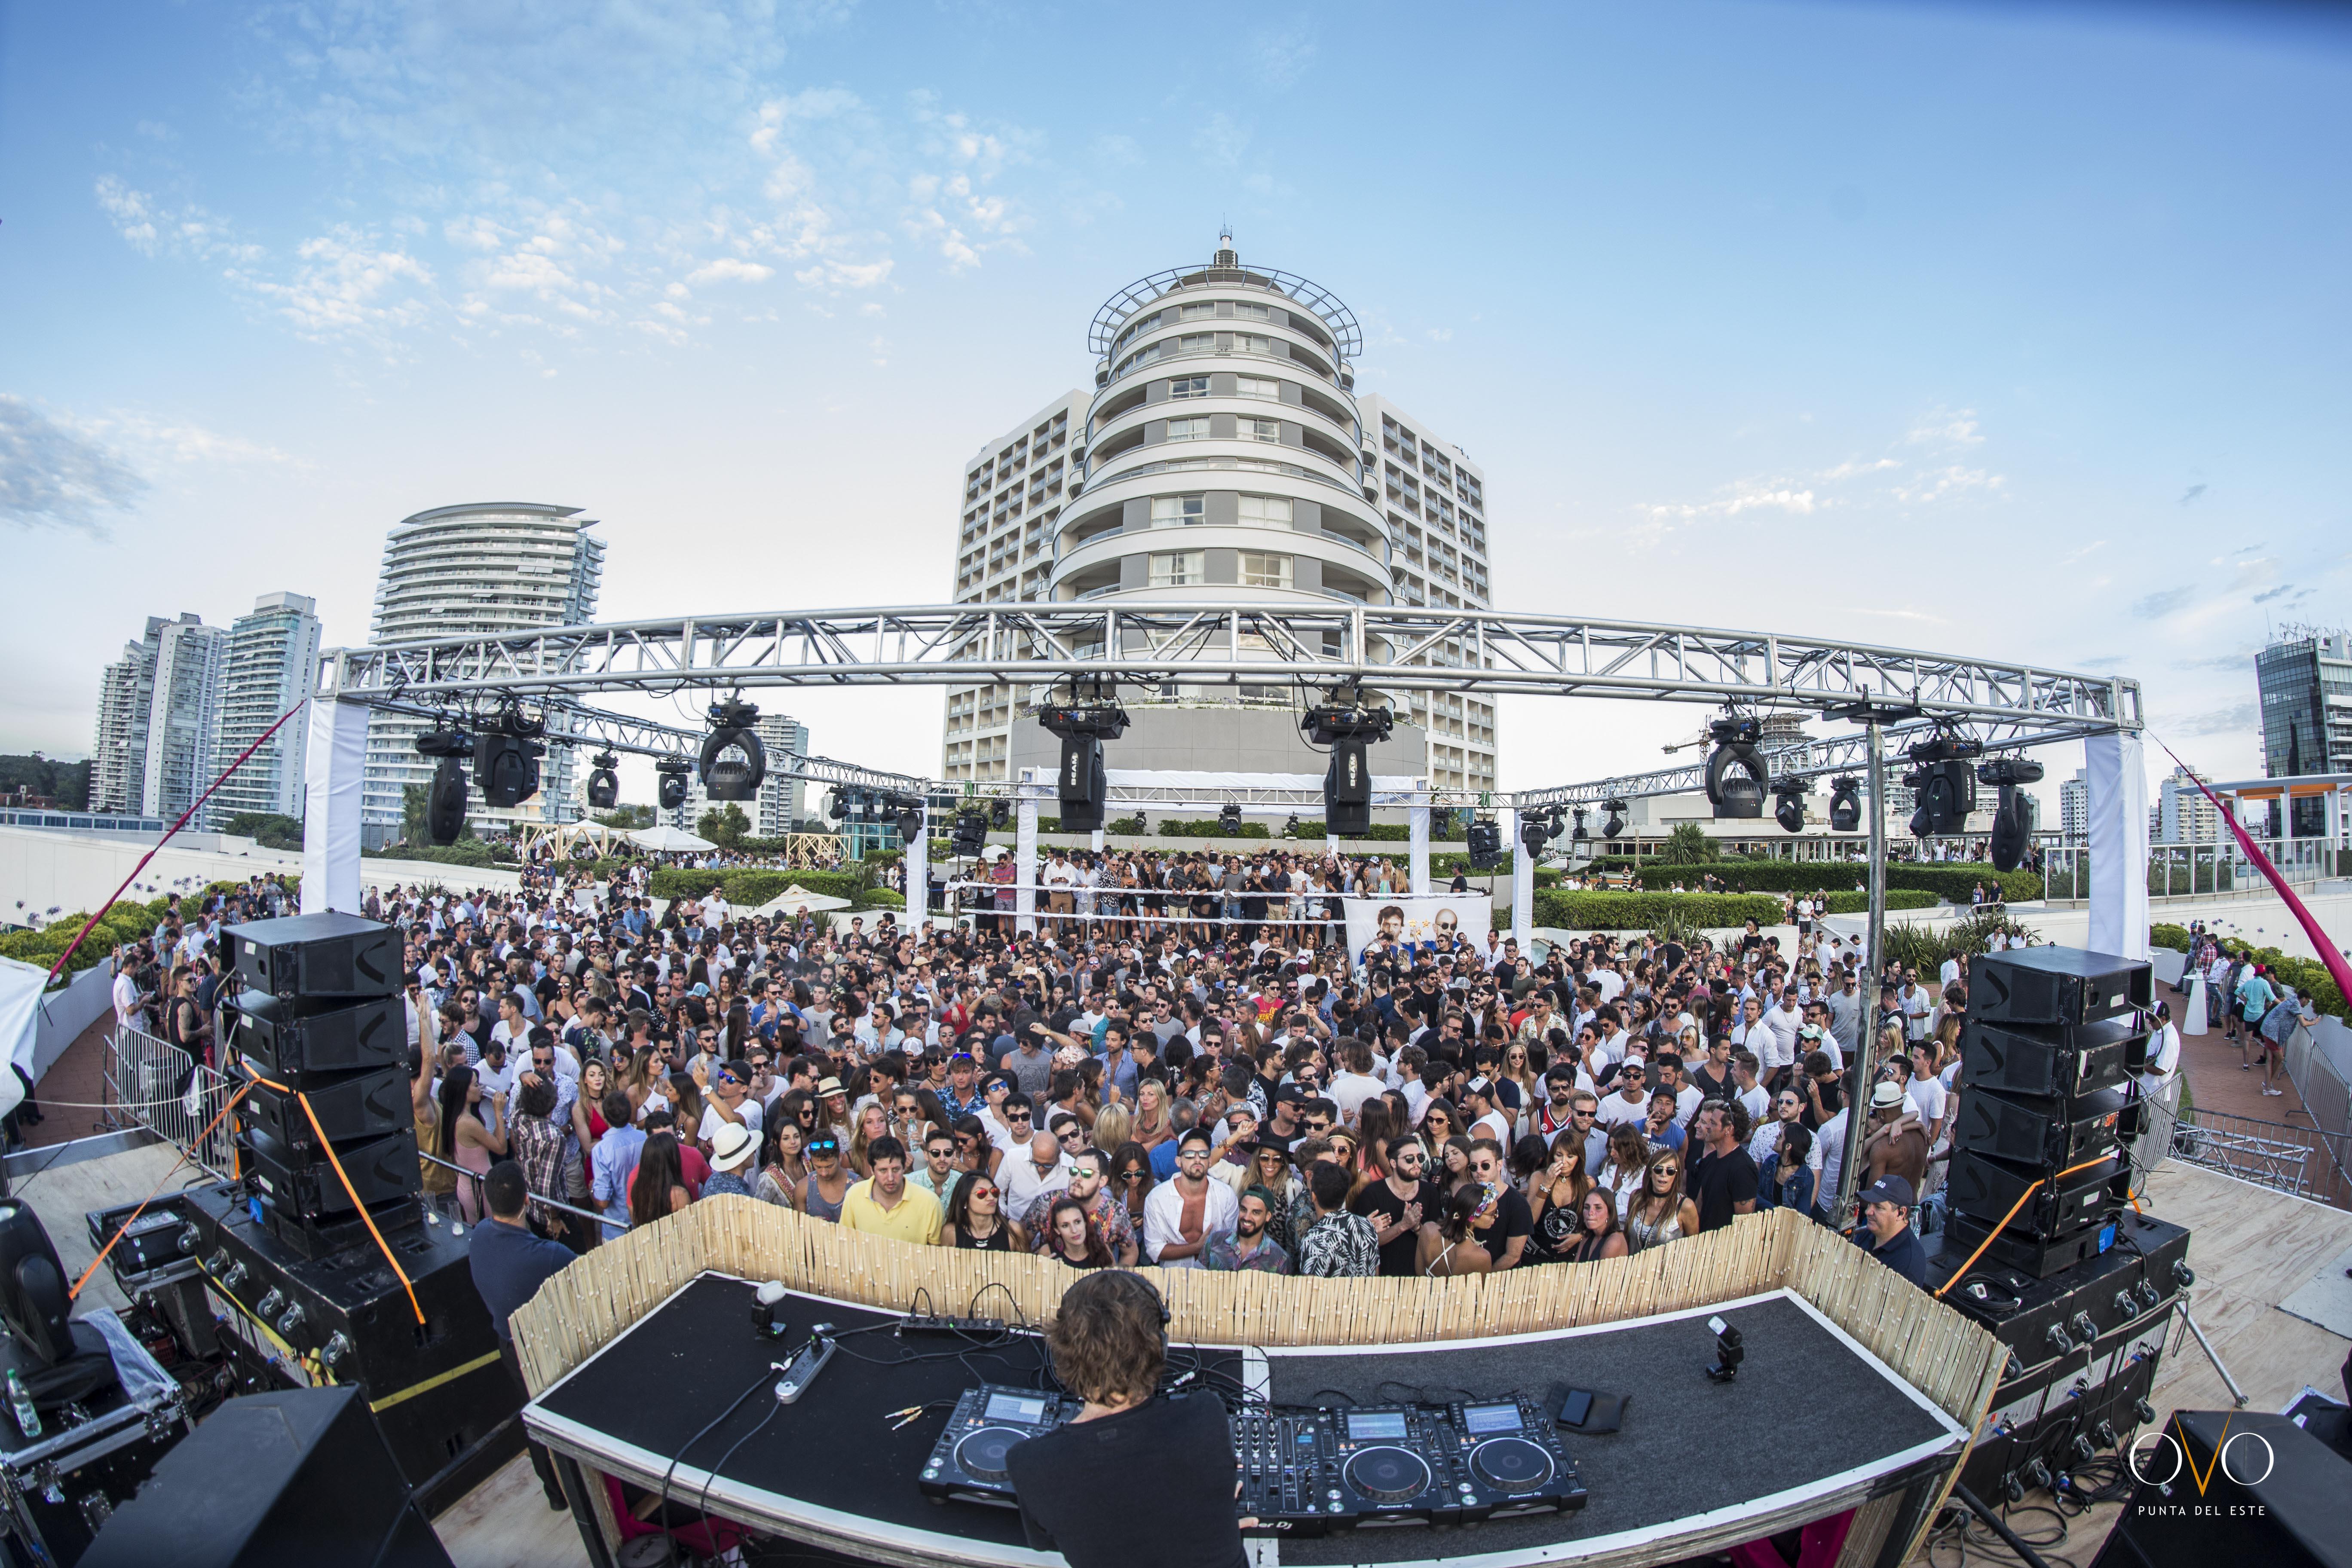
[[1418, 924]]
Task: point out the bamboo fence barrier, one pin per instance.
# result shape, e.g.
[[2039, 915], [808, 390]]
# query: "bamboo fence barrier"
[[1951, 1359]]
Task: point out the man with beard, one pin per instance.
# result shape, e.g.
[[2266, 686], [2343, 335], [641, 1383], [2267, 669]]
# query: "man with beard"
[[1248, 1246]]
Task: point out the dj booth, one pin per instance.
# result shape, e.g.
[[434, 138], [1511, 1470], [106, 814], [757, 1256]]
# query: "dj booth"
[[1813, 1426]]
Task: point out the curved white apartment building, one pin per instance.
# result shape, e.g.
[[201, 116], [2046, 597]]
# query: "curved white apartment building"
[[495, 566], [1224, 455]]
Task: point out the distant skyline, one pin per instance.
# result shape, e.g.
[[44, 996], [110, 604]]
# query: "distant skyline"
[[1996, 330]]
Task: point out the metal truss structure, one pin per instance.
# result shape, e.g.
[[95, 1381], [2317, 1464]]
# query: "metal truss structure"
[[1309, 646], [1815, 759]]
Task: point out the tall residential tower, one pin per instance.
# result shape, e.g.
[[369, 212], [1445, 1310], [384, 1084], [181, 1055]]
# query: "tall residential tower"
[[495, 566], [273, 663], [1224, 455]]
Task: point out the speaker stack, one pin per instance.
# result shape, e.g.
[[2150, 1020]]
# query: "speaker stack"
[[2051, 1044], [320, 1014], [285, 1259], [2081, 1289]]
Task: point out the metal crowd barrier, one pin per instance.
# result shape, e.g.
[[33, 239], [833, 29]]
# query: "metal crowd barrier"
[[2300, 1161]]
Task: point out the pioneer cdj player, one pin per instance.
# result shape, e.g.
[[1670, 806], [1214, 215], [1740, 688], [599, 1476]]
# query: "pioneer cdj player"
[[1510, 1462], [967, 1464]]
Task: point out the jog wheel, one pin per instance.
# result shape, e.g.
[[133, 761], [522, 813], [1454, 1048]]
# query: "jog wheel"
[[1387, 1474], [1513, 1464], [980, 1455]]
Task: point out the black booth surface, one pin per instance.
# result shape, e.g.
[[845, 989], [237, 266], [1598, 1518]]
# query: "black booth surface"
[[1841, 1417]]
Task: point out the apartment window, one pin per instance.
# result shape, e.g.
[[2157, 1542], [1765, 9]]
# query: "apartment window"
[[1254, 342], [1189, 429], [1255, 312], [1259, 570], [1197, 343], [1176, 511], [1266, 509], [1257, 387], [1188, 386], [1195, 313], [1179, 568], [1260, 429]]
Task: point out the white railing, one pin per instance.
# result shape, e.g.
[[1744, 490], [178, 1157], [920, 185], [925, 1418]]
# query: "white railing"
[[151, 1083]]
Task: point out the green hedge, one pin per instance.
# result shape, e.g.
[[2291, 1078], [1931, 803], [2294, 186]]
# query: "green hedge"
[[1896, 899], [1641, 911], [882, 899], [1955, 881], [127, 921], [1210, 828], [2308, 976], [751, 886], [474, 852]]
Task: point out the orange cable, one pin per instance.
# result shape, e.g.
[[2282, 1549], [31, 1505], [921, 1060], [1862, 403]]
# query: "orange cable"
[[125, 1227], [366, 1217], [1959, 1273]]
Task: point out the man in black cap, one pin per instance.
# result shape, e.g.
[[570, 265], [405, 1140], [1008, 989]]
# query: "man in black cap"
[[1885, 1230]]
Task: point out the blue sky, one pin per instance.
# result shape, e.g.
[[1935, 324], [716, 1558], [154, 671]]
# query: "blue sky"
[[1981, 329]]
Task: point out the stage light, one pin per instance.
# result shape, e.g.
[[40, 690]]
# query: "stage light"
[[999, 815], [1946, 782], [1290, 825], [970, 833], [1229, 820], [1735, 773], [909, 810], [1615, 823], [1846, 803], [1485, 844], [1349, 728], [1582, 831], [1728, 1351], [670, 776], [604, 783], [1532, 838], [506, 758], [445, 797], [836, 804], [1083, 728], [735, 777], [2013, 818], [1789, 803]]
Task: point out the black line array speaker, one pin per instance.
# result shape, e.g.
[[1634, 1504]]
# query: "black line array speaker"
[[325, 959], [323, 1019], [2038, 1173], [295, 1476], [2057, 986]]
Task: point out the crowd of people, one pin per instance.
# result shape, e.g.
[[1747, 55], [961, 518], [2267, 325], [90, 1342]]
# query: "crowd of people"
[[2251, 1007], [1204, 1091]]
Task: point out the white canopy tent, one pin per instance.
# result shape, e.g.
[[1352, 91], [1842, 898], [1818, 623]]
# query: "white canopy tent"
[[795, 899], [667, 840]]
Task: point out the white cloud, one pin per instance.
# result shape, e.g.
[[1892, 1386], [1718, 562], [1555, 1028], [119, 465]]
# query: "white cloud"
[[154, 227], [1221, 139], [343, 282], [1947, 428], [54, 474], [1853, 465], [730, 270], [1946, 484], [1279, 56], [1747, 495]]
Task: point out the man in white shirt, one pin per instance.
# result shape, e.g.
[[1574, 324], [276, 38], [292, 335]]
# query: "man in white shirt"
[[1182, 1214], [1355, 1082], [1916, 1005], [1630, 1103], [1488, 1120], [1031, 1172], [126, 997]]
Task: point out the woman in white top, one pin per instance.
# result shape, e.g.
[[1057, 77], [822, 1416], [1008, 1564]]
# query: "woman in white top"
[[1621, 1167]]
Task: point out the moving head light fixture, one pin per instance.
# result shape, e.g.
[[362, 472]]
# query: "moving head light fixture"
[[1946, 783], [2013, 818], [1846, 803], [735, 776], [507, 750], [1229, 820], [1582, 831], [909, 810], [1615, 823], [1485, 844], [604, 783], [670, 775], [1539, 828], [1346, 724], [1735, 773], [971, 835], [1083, 725], [1789, 803], [445, 797]]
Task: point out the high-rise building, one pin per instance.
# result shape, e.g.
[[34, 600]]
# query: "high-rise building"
[[273, 663], [1224, 454], [783, 797], [2075, 806], [2183, 814], [184, 714], [118, 758], [497, 566], [2305, 678]]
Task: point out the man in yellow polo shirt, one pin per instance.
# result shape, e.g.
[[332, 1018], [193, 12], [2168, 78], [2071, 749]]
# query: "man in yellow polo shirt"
[[885, 1205]]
